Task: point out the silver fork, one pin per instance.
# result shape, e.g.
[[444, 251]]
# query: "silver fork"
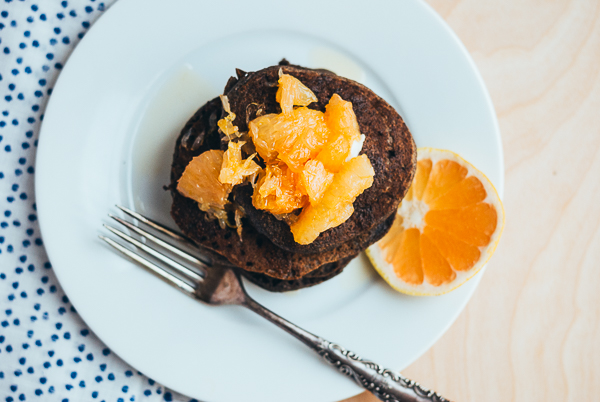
[[217, 284]]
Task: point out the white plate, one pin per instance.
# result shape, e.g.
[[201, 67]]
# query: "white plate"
[[108, 137]]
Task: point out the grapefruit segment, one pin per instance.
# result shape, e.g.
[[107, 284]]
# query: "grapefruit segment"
[[277, 190], [341, 119], [444, 175], [335, 153], [263, 136], [235, 169], [466, 192], [315, 179], [435, 267], [336, 205], [200, 181], [461, 256], [473, 224], [226, 123], [292, 92], [407, 259], [293, 138]]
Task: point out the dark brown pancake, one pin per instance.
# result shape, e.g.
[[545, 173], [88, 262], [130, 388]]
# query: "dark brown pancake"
[[388, 144], [321, 274], [257, 253], [317, 276]]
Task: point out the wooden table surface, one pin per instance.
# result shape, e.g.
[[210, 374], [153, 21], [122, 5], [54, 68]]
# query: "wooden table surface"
[[531, 332]]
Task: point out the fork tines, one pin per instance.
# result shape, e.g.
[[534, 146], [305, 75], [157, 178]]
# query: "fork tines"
[[170, 271]]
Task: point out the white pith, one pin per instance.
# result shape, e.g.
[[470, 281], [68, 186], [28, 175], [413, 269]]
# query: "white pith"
[[413, 213], [356, 147]]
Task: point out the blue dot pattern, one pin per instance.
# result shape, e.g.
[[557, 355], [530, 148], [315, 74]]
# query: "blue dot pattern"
[[46, 351]]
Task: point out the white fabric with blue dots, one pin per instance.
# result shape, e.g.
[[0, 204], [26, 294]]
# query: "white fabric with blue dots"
[[46, 351]]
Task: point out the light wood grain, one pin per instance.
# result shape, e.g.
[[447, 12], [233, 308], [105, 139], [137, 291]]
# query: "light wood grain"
[[531, 332]]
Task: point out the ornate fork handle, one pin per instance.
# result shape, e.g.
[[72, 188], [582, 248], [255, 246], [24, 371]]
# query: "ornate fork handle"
[[387, 385]]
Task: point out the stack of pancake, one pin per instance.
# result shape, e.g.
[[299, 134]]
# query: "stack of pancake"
[[267, 253]]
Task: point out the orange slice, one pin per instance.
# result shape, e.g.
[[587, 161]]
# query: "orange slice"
[[446, 229]]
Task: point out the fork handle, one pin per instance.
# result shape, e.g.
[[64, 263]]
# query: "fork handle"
[[387, 385]]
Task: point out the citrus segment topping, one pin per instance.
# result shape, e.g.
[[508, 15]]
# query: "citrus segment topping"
[[315, 179], [235, 169], [341, 119], [354, 178], [447, 227], [226, 124], [277, 190], [316, 219], [200, 181], [311, 162], [335, 153], [263, 136], [336, 205], [293, 138], [292, 92]]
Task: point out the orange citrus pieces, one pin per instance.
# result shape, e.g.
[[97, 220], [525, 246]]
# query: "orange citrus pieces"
[[315, 179], [446, 229], [200, 181], [293, 138], [277, 190], [341, 120], [209, 178], [292, 92], [226, 124], [335, 206], [307, 152], [235, 169]]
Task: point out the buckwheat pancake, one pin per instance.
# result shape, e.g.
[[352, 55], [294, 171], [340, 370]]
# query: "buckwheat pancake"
[[319, 275], [267, 253]]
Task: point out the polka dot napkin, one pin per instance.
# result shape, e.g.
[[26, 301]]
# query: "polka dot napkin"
[[46, 351]]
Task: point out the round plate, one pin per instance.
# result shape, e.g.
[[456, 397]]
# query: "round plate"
[[108, 137]]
